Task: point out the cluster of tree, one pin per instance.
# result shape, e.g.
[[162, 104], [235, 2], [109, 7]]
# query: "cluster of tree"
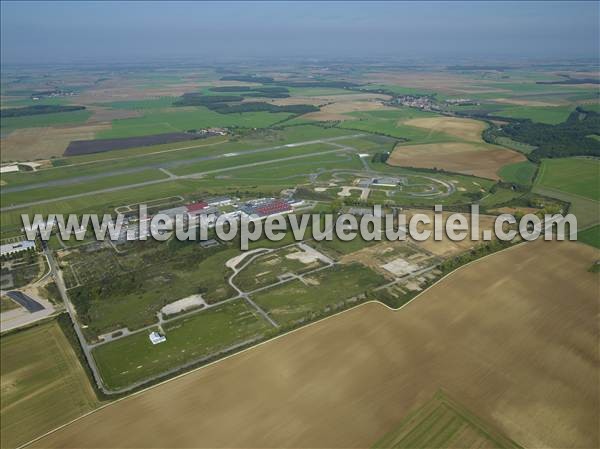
[[570, 138], [569, 80], [225, 108], [197, 99], [264, 89], [381, 157], [248, 79], [230, 104], [37, 109], [261, 91]]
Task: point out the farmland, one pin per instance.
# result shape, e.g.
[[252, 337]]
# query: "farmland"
[[471, 159], [542, 114], [519, 173], [577, 176], [179, 121], [40, 372], [489, 352], [503, 342], [442, 423]]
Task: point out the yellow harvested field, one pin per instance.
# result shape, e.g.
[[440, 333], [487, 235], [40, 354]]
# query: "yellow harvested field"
[[463, 128], [41, 143], [512, 338], [467, 158]]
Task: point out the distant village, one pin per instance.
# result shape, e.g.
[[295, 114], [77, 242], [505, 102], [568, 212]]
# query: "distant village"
[[429, 103]]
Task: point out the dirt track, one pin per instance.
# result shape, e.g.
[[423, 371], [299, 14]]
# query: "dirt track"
[[512, 337]]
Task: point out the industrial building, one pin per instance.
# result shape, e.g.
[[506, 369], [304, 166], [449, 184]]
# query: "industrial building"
[[266, 206], [13, 248]]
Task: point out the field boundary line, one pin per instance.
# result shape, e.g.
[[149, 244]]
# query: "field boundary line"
[[373, 301]]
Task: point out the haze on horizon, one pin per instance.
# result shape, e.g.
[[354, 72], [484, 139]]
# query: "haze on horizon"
[[64, 32]]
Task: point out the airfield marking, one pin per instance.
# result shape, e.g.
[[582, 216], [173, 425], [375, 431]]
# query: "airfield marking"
[[158, 166]]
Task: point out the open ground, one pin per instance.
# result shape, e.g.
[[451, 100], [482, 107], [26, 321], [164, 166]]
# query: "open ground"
[[512, 337], [468, 158]]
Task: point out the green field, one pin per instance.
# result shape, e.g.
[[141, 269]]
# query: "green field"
[[551, 115], [443, 423], [578, 176], [152, 103], [44, 193], [295, 302], [43, 120], [519, 173], [134, 358], [500, 196], [591, 236], [389, 123], [43, 384], [183, 119]]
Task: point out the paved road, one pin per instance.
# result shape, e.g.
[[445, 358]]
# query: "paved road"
[[58, 279], [165, 165], [159, 181]]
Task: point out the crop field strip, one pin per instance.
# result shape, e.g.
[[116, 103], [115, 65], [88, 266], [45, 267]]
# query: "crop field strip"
[[443, 423], [302, 365], [40, 371]]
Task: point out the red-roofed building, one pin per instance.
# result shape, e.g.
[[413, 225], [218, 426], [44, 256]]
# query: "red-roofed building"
[[273, 207], [195, 208]]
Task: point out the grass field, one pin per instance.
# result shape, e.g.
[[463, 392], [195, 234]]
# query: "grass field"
[[523, 358], [543, 114], [43, 385], [44, 192], [135, 358], [157, 122], [578, 176], [392, 123], [519, 173], [590, 236], [298, 301], [42, 120], [443, 423], [153, 103]]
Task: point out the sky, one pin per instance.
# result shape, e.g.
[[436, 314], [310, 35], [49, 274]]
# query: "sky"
[[64, 32]]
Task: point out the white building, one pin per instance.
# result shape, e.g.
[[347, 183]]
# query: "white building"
[[9, 168], [156, 338], [219, 201], [13, 248]]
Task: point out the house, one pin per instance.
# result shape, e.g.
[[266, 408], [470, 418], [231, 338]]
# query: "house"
[[156, 338]]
